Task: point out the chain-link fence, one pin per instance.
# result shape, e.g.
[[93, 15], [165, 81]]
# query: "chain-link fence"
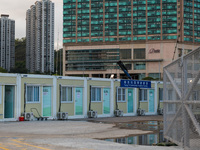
[[182, 101]]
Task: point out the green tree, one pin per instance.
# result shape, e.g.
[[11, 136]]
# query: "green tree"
[[3, 70], [58, 59], [20, 67], [20, 49], [20, 56]]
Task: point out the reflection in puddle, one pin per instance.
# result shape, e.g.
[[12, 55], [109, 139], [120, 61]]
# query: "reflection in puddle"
[[145, 125], [146, 139]]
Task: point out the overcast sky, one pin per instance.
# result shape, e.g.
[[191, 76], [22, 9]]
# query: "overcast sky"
[[16, 9]]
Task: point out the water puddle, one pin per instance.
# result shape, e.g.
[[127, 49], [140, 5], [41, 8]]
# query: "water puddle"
[[145, 139], [142, 125]]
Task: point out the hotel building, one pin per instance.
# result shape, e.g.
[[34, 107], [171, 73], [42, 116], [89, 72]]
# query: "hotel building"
[[145, 35]]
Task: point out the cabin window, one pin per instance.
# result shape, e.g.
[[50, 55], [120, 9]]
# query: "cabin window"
[[66, 95], [95, 94], [33, 94], [143, 95], [121, 94]]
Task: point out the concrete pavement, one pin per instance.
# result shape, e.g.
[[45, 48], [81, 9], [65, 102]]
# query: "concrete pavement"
[[72, 135]]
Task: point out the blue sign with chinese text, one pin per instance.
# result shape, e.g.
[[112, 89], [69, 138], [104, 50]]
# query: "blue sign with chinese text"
[[135, 84]]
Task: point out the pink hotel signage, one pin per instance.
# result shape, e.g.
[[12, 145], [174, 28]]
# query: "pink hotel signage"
[[153, 50]]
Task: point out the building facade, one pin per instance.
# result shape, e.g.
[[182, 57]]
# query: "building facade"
[[144, 34], [40, 37], [7, 42]]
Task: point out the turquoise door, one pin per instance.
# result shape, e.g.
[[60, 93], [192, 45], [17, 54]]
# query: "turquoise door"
[[130, 100], [9, 101], [106, 101], [46, 101], [151, 100], [79, 101]]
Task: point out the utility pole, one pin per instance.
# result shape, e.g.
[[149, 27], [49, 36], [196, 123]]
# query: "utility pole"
[[60, 61]]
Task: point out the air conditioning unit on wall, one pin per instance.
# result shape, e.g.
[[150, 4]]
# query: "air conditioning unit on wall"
[[118, 113], [140, 112], [92, 114], [28, 116], [160, 111], [62, 115]]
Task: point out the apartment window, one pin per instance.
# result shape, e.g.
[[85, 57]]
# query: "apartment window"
[[139, 66], [143, 95], [128, 66], [139, 53], [186, 51], [170, 92], [95, 94], [160, 94], [171, 108], [66, 94], [121, 94], [195, 95], [154, 75], [197, 66], [181, 51], [33, 94], [125, 53]]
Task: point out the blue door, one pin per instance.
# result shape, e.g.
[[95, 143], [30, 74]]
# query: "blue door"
[[106, 101], [130, 100], [46, 101], [79, 101], [151, 100], [9, 101]]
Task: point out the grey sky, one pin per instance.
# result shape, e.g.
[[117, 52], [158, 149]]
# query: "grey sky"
[[16, 9]]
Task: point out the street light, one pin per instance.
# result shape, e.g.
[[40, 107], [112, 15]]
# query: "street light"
[[112, 76]]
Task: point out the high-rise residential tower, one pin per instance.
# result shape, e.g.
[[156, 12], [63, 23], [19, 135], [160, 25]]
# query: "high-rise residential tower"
[[145, 34], [7, 42], [40, 37]]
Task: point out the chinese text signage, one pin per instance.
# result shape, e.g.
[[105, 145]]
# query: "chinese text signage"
[[135, 84]]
